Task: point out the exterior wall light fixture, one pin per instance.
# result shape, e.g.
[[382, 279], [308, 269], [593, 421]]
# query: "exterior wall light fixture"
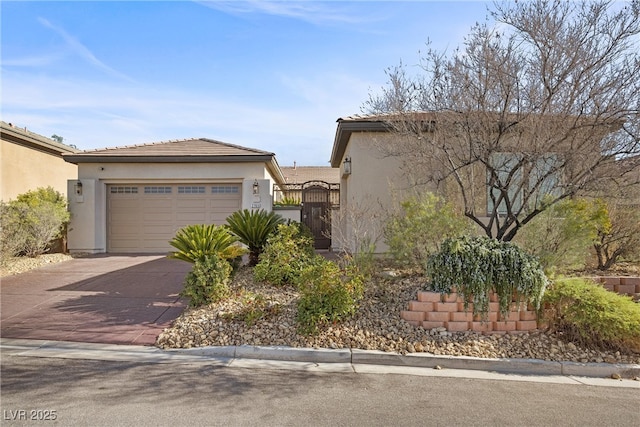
[[347, 166], [256, 187]]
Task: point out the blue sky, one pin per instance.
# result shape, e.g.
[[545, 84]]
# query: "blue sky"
[[272, 75]]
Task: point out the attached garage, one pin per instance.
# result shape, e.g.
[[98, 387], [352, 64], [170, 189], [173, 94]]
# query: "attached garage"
[[133, 199], [143, 218]]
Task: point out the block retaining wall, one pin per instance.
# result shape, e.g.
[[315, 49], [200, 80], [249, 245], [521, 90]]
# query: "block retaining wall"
[[432, 310], [620, 284]]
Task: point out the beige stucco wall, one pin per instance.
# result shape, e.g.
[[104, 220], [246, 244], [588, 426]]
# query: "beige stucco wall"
[[25, 169], [289, 213], [88, 229], [367, 195]]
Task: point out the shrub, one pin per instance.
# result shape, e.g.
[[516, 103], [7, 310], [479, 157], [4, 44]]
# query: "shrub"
[[475, 266], [32, 221], [363, 261], [417, 229], [562, 235], [253, 307], [327, 294], [620, 237], [592, 316], [197, 242], [207, 282], [285, 254], [288, 201], [253, 228], [13, 236]]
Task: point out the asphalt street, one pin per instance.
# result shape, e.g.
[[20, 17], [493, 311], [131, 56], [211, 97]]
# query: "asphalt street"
[[79, 392]]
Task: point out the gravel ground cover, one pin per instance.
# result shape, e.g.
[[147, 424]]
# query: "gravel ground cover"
[[259, 314], [22, 264]]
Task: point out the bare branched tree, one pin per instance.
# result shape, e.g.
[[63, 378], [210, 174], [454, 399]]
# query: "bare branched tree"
[[536, 108]]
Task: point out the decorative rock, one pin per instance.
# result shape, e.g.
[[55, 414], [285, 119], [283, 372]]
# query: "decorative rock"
[[375, 326]]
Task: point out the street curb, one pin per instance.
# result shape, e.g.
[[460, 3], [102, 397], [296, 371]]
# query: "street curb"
[[420, 360], [354, 356], [423, 360]]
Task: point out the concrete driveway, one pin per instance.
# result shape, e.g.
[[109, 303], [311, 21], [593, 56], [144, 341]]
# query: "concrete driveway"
[[113, 299]]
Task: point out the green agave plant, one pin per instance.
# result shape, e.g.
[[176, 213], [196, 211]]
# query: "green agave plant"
[[253, 228], [196, 242]]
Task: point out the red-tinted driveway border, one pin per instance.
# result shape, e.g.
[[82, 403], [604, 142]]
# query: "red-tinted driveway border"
[[112, 299]]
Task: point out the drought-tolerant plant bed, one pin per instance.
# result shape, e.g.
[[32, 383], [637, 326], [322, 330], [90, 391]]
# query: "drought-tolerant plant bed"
[[259, 314], [265, 315]]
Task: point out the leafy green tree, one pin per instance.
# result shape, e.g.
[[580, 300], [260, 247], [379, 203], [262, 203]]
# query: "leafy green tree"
[[253, 228]]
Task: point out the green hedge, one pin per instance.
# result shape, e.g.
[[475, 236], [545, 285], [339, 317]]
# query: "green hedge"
[[587, 313]]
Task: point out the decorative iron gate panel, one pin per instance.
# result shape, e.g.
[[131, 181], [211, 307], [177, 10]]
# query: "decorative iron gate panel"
[[318, 198]]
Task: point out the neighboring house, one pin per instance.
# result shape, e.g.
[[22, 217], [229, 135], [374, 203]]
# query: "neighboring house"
[[133, 199], [300, 174], [314, 192], [29, 161]]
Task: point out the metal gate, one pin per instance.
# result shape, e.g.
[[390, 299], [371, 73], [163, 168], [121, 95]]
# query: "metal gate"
[[316, 211], [318, 199]]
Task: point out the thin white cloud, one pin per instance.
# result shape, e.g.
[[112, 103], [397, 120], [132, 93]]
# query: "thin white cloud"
[[330, 94], [83, 51], [314, 12], [97, 115], [31, 61]]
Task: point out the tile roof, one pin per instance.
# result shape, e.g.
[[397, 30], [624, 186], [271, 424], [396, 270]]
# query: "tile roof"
[[180, 147], [18, 135], [195, 149], [302, 174]]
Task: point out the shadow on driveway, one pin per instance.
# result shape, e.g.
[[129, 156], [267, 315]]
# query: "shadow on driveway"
[[113, 299]]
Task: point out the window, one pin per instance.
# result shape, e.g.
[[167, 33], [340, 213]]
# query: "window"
[[524, 180], [225, 189], [123, 190], [157, 190], [190, 189]]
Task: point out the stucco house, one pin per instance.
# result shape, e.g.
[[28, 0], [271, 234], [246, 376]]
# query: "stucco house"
[[370, 182], [29, 161], [133, 199], [373, 181]]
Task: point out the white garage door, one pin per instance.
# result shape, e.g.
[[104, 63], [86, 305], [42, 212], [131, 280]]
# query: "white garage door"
[[143, 218]]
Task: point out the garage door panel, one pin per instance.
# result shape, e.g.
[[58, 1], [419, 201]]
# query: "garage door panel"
[[158, 217], [226, 205], [145, 221], [192, 218], [157, 230], [191, 202]]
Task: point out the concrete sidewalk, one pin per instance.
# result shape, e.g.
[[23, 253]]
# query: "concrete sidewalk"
[[113, 299], [342, 360]]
